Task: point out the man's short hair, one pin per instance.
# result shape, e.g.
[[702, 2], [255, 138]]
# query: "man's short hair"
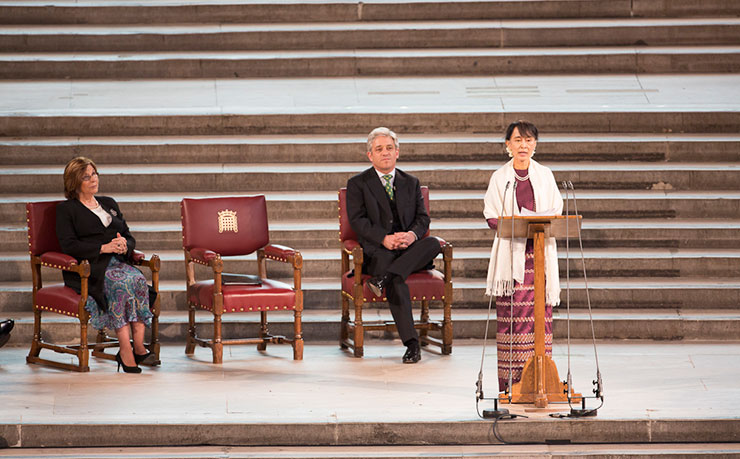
[[381, 131]]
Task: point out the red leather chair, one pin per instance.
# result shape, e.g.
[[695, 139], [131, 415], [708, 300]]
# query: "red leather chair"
[[423, 286], [216, 227], [59, 299]]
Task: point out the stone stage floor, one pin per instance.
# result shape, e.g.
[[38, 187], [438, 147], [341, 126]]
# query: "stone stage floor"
[[330, 393]]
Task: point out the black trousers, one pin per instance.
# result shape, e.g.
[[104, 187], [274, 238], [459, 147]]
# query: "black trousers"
[[401, 263]]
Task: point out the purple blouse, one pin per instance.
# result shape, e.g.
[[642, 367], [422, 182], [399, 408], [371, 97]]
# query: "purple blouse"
[[524, 196]]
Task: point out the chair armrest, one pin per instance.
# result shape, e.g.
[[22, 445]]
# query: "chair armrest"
[[282, 253], [58, 260], [65, 262], [139, 258], [349, 245], [203, 256]]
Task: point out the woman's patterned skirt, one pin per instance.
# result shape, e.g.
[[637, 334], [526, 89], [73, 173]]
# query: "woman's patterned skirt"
[[127, 293], [515, 348]]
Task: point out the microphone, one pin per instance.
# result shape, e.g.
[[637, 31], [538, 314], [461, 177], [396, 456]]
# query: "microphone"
[[479, 386]]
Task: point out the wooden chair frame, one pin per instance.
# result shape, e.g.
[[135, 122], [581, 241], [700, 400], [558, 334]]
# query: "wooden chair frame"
[[63, 262], [352, 331], [215, 262], [103, 341]]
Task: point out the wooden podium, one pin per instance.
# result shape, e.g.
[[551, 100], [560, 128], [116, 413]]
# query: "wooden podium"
[[540, 383]]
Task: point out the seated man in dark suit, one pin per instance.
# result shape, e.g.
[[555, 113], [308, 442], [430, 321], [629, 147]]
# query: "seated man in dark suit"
[[386, 209]]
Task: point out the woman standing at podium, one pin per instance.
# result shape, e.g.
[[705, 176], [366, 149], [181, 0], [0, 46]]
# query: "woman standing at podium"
[[522, 183]]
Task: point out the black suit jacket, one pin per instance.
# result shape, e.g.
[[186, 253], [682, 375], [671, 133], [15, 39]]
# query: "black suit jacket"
[[369, 210], [81, 233]]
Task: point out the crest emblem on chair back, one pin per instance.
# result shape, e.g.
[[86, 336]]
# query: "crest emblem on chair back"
[[228, 226], [345, 230], [42, 227]]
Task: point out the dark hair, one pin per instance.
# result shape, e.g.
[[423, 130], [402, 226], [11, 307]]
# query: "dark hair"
[[525, 129], [73, 173]]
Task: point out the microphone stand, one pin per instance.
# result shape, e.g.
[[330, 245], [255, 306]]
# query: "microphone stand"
[[598, 390], [496, 413]]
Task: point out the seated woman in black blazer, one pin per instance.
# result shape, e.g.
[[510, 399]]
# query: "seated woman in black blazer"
[[92, 227]]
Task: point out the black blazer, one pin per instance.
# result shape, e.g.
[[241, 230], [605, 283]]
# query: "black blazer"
[[81, 233], [369, 210]]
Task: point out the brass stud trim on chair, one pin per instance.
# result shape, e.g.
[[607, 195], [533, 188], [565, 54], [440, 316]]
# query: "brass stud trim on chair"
[[58, 311]]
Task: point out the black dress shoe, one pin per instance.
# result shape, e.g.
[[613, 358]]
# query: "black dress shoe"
[[126, 368], [377, 284], [5, 327], [146, 359], [413, 353]]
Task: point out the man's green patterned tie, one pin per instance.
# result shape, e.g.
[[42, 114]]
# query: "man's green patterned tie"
[[388, 186]]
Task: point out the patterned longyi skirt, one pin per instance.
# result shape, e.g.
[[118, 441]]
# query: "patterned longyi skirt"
[[521, 342]]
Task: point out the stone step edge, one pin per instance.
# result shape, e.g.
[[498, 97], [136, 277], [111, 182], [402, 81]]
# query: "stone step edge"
[[415, 432], [468, 315], [348, 138], [448, 224], [210, 120], [348, 167], [198, 28], [396, 53], [468, 284], [112, 13], [320, 326], [174, 198], [470, 253]]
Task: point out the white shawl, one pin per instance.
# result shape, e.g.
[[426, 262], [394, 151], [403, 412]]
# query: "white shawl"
[[547, 196]]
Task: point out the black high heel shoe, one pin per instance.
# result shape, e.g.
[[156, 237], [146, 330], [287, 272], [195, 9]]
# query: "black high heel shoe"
[[146, 359], [126, 368]]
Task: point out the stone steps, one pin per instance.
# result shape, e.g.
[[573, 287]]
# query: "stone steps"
[[155, 115], [599, 204], [287, 148], [469, 263], [323, 233], [370, 35], [322, 325], [104, 12], [629, 292], [590, 451], [397, 62], [154, 178]]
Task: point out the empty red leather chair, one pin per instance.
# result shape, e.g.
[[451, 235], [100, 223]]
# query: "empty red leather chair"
[[213, 228], [57, 298], [423, 285]]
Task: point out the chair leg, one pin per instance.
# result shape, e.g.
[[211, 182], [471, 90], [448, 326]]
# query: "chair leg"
[[263, 331], [297, 334], [218, 347], [83, 354], [35, 350], [344, 324], [297, 337], [424, 319], [154, 340], [359, 328], [447, 328], [190, 343]]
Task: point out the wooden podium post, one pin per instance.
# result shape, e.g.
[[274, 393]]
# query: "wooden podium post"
[[540, 383]]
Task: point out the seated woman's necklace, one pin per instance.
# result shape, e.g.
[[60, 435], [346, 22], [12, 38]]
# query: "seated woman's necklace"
[[522, 179], [94, 204]]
